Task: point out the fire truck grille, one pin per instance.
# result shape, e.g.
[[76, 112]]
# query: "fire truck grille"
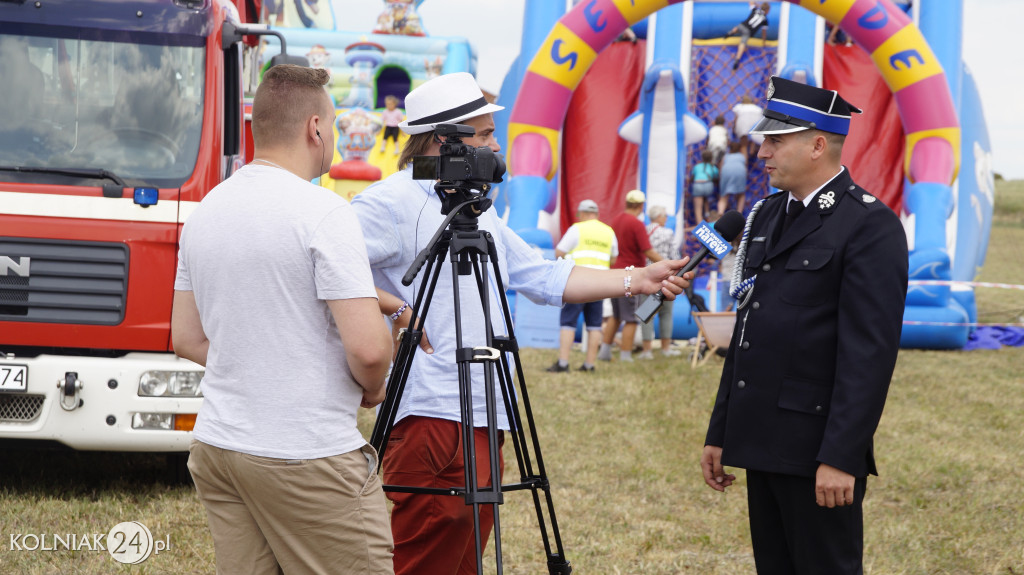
[[20, 407], [67, 282]]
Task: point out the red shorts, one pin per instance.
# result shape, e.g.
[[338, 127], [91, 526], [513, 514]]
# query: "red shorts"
[[434, 533]]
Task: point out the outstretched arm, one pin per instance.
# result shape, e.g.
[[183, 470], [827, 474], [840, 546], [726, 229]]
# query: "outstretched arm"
[[587, 284]]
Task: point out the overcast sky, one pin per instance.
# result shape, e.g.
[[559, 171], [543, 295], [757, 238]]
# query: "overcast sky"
[[991, 50]]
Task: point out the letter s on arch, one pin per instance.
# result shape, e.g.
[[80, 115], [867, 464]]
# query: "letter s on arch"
[[571, 57]]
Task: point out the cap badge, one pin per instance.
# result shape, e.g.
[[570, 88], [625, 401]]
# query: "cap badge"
[[826, 200], [771, 90], [868, 198]]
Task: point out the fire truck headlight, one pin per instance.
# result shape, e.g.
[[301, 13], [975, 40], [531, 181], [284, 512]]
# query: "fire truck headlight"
[[162, 421], [170, 384]]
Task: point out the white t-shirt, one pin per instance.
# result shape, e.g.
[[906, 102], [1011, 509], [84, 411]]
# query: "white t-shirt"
[[262, 253], [747, 116], [718, 138]]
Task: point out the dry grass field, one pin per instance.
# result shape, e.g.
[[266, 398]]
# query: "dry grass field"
[[621, 447]]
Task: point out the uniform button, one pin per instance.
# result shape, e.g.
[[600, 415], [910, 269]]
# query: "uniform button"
[[746, 345], [807, 263], [756, 305], [766, 268], [817, 408], [741, 384], [851, 188]]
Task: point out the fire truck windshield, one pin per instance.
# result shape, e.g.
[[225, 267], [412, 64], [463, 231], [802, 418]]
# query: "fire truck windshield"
[[132, 107]]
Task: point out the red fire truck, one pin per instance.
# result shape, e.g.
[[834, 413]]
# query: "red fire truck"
[[116, 118]]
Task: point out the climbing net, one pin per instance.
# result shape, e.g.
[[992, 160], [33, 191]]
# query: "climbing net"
[[714, 89]]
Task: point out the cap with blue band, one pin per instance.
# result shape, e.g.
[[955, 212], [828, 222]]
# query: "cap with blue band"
[[793, 107]]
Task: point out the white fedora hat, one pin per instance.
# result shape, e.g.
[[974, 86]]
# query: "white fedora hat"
[[446, 99]]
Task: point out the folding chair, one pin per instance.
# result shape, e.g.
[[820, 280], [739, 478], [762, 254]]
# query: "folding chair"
[[714, 331]]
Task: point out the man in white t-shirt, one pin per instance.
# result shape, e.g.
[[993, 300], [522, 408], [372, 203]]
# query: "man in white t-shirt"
[[274, 296]]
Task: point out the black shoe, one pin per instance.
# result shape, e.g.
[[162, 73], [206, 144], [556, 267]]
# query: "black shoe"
[[557, 368], [735, 64], [585, 368]]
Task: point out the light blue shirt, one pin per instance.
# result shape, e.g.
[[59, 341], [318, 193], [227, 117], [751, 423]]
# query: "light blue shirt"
[[399, 216]]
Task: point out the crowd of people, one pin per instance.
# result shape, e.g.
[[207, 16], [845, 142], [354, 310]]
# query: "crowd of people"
[[287, 480]]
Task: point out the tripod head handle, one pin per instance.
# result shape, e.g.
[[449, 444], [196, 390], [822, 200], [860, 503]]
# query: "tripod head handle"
[[414, 268]]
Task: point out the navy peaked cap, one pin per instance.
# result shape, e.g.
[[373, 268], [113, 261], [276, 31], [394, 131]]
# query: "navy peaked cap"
[[793, 107]]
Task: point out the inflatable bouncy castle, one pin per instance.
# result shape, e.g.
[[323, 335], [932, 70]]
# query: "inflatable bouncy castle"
[[367, 67], [593, 113]]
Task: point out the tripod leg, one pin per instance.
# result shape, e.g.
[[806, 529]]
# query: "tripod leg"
[[465, 357], [536, 482]]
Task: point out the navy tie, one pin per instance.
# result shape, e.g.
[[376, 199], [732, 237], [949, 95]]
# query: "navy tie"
[[792, 213]]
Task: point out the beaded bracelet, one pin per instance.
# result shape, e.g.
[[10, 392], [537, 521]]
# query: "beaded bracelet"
[[626, 281], [398, 314]]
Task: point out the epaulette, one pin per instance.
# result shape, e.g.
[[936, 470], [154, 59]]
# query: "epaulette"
[[861, 195]]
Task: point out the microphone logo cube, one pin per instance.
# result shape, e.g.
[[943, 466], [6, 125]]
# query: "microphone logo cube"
[[709, 238]]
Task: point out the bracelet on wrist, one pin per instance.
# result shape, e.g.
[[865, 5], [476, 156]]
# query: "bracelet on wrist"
[[627, 281], [401, 310]]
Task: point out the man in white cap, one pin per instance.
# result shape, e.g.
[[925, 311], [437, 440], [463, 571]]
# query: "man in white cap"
[[590, 243], [821, 282], [434, 534]]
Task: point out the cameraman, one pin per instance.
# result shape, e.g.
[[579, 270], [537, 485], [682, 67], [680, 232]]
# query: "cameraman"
[[399, 215]]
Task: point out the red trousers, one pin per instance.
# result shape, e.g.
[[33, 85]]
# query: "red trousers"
[[434, 533]]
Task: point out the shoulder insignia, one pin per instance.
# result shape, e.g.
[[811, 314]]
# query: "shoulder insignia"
[[868, 198], [826, 199]]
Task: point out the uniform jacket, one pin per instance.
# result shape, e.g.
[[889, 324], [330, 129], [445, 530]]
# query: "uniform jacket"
[[815, 346]]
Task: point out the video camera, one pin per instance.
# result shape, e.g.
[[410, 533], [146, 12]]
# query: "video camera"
[[460, 168]]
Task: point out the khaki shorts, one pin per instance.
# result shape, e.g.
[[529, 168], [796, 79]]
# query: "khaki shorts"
[[270, 515]]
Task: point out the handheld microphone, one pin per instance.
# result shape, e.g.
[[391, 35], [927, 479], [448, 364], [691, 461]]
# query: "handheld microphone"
[[715, 242]]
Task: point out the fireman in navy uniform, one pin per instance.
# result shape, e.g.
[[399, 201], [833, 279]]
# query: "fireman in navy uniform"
[[822, 282]]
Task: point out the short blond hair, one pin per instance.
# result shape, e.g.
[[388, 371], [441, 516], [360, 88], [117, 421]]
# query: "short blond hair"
[[285, 99]]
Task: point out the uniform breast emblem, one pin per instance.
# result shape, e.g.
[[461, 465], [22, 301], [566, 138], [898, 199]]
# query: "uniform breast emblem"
[[826, 200]]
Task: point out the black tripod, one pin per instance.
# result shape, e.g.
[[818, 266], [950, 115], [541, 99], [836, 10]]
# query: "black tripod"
[[470, 251]]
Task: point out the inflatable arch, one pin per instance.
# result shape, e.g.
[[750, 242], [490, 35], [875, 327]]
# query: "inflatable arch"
[[898, 49]]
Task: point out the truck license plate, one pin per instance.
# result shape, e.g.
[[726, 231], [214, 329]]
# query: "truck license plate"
[[13, 377]]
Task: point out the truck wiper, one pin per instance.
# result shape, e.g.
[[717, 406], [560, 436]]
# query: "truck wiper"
[[98, 174]]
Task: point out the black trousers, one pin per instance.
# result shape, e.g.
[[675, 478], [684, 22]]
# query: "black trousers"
[[792, 535]]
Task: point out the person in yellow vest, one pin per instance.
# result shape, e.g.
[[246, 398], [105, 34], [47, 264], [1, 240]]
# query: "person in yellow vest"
[[589, 243]]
